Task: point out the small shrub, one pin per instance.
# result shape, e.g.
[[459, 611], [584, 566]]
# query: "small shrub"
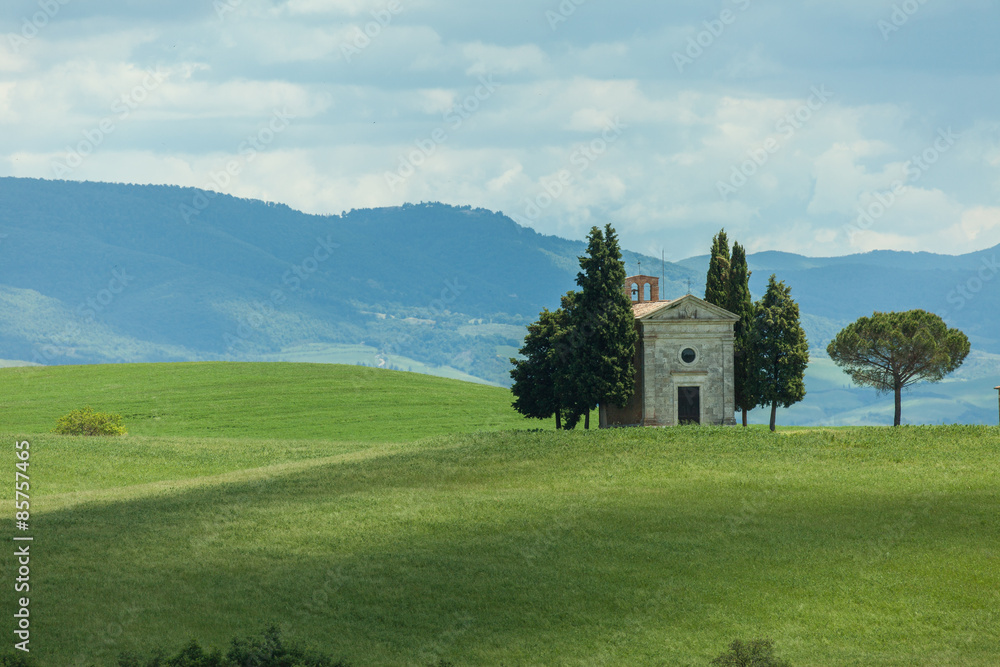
[[193, 656], [755, 653], [156, 659], [15, 660], [268, 650], [264, 650], [88, 422]]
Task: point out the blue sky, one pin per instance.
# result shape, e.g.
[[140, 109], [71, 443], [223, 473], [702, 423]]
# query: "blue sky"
[[820, 127]]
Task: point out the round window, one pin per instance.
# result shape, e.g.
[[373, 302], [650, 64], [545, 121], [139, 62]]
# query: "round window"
[[688, 356]]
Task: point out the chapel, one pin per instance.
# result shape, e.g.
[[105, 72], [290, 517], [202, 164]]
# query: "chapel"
[[683, 361]]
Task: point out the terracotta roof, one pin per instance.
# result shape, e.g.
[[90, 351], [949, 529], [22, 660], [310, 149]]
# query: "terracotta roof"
[[645, 308]]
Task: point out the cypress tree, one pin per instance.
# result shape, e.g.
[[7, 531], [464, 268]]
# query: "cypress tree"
[[602, 338], [781, 348], [568, 343], [739, 302], [717, 281]]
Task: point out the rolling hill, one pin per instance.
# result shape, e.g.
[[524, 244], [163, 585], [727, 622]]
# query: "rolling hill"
[[101, 272], [257, 494], [261, 400]]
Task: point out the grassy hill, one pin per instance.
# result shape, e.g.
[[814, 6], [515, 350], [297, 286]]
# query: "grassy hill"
[[253, 400], [856, 546]]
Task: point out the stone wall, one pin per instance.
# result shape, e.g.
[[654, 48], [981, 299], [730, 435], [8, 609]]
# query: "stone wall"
[[664, 334], [666, 371]]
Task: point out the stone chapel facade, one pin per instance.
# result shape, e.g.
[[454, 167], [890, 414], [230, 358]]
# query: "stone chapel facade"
[[683, 361]]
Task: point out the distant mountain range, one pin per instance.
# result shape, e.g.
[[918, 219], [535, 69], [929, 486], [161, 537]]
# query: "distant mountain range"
[[963, 289], [100, 272]]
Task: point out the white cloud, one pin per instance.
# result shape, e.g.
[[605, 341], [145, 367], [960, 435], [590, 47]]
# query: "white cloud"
[[509, 177], [239, 99], [283, 43], [558, 90], [493, 59], [841, 181], [334, 7], [752, 64], [981, 223]]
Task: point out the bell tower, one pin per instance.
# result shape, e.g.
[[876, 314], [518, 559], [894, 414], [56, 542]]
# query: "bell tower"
[[642, 289]]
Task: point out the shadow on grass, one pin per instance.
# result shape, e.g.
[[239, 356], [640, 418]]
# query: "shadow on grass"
[[576, 552]]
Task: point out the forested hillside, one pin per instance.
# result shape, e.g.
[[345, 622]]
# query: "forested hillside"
[[98, 272], [102, 272]]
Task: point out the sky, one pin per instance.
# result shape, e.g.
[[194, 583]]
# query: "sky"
[[821, 127]]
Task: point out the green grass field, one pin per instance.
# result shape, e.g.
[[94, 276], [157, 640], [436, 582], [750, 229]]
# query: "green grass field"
[[454, 535], [246, 400]]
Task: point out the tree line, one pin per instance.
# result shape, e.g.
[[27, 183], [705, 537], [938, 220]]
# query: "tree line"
[[887, 351], [581, 355], [771, 352]]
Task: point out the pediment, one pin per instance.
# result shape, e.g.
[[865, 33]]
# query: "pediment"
[[689, 308]]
